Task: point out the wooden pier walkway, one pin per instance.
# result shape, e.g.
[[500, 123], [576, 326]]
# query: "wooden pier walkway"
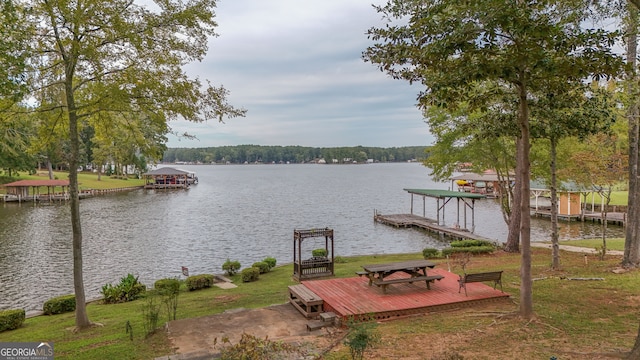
[[617, 218], [411, 220]]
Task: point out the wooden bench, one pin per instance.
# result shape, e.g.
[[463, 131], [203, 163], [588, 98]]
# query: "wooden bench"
[[495, 276], [428, 279], [305, 300]]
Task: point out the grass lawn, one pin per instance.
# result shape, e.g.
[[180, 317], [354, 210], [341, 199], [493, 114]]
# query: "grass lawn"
[[617, 198], [86, 180], [612, 244], [574, 319]]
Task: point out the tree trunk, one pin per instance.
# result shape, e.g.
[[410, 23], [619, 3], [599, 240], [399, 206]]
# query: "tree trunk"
[[635, 352], [526, 283], [603, 213], [513, 238], [50, 169], [555, 246], [82, 319], [631, 256]]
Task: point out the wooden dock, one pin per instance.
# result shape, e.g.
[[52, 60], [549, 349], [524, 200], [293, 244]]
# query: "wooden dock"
[[411, 220], [616, 218]]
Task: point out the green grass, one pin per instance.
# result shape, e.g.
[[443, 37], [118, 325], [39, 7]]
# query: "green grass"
[[589, 316], [86, 180], [612, 244], [617, 198]]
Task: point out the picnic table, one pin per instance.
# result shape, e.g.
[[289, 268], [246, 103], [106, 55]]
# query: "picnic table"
[[416, 269]]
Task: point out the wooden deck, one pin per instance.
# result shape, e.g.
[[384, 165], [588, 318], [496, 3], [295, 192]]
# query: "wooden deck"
[[616, 218], [411, 220], [348, 297]]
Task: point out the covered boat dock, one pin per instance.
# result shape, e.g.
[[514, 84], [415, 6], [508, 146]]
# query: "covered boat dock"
[[166, 178], [34, 190], [460, 229]]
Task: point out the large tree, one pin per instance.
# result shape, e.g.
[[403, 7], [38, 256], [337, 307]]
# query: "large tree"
[[567, 109], [631, 256], [120, 58], [450, 46]]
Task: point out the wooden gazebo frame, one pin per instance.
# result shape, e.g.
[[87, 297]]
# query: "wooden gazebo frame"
[[314, 266]]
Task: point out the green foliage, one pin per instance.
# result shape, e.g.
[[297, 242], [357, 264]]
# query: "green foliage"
[[128, 289], [253, 348], [319, 252], [470, 243], [231, 267], [11, 319], [430, 253], [340, 260], [150, 310], [250, 274], [59, 305], [238, 154], [167, 285], [362, 335], [475, 250], [271, 261], [169, 290], [201, 281], [262, 266]]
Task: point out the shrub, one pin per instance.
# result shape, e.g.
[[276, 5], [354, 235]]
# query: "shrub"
[[262, 266], [201, 281], [59, 305], [475, 250], [129, 289], [361, 336], [271, 261], [251, 347], [231, 267], [470, 243], [430, 253], [250, 274], [150, 315], [168, 285], [169, 290], [340, 260], [319, 252], [11, 319]]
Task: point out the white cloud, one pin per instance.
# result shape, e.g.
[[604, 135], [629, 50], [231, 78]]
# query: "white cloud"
[[297, 68]]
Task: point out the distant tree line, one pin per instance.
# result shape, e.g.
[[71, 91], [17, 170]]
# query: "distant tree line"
[[252, 154]]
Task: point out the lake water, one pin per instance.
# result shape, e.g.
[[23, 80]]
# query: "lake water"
[[240, 212]]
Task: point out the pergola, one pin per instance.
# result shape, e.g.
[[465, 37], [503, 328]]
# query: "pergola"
[[314, 266], [443, 197], [26, 190]]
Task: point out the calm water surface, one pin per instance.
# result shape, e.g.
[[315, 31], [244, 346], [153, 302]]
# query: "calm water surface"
[[244, 213]]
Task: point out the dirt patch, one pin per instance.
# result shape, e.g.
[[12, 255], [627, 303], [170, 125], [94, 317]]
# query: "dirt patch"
[[199, 337]]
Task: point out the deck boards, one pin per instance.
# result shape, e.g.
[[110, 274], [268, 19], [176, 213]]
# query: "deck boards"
[[412, 220], [354, 297]]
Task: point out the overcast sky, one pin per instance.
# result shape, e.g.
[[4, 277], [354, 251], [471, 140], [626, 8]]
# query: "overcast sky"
[[296, 67]]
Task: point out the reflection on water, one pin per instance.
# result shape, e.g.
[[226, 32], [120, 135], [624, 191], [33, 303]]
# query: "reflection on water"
[[244, 213]]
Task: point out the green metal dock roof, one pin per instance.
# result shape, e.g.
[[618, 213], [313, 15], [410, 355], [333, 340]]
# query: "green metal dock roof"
[[441, 194]]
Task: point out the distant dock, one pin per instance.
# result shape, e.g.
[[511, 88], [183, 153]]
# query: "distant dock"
[[411, 220], [616, 218]]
